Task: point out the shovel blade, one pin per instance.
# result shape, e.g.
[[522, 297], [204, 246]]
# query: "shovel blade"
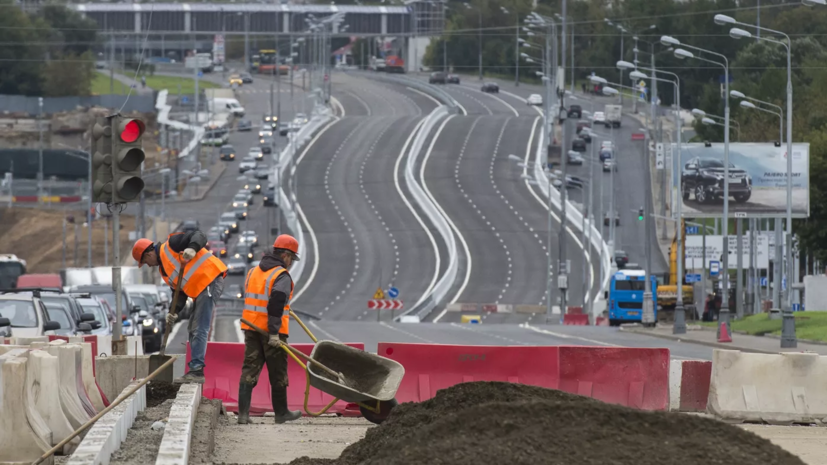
[[155, 362]]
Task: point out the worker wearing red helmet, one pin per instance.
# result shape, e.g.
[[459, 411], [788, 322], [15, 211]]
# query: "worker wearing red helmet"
[[268, 290], [202, 281]]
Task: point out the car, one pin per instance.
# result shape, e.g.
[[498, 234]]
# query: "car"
[[605, 154], [249, 195], [240, 212], [607, 216], [266, 144], [599, 118], [244, 125], [490, 88], [437, 78], [575, 111], [300, 118], [703, 178], [606, 144], [235, 79], [269, 121], [240, 200], [287, 128], [574, 158], [26, 315], [256, 153], [246, 78], [152, 325], [534, 99], [64, 309], [269, 198], [218, 248], [244, 251], [247, 163], [621, 258], [574, 182], [586, 136], [236, 266], [233, 292], [262, 172], [229, 221], [578, 145], [254, 188], [265, 132], [633, 266], [218, 233], [583, 125], [248, 237], [190, 226], [609, 165], [226, 153], [452, 79]]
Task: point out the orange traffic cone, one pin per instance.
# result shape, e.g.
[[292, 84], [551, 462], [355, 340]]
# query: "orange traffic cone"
[[724, 336]]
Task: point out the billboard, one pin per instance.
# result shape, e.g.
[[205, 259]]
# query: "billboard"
[[757, 184], [715, 249]]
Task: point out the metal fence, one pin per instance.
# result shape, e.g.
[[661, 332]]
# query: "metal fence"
[[30, 105], [53, 191]]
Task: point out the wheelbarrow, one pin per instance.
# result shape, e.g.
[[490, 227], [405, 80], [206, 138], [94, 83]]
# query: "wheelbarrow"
[[352, 375]]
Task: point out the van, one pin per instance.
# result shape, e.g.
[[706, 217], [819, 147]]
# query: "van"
[[226, 105]]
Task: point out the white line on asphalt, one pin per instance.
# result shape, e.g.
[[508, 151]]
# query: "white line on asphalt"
[[476, 100], [337, 103], [567, 336], [490, 335], [536, 108], [394, 328], [321, 330], [437, 102], [516, 113], [364, 104], [497, 190]]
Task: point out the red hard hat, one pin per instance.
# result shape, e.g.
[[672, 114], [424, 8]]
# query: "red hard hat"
[[287, 242], [139, 248]]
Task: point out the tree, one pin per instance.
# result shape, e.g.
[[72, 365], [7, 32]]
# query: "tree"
[[21, 56], [71, 32], [69, 75]]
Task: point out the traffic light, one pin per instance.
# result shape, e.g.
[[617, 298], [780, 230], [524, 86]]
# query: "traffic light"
[[127, 159], [102, 160], [640, 214]]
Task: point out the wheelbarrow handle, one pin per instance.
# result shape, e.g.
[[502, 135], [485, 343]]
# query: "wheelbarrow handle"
[[296, 352]]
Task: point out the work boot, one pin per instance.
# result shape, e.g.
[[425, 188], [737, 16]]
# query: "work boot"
[[193, 376], [278, 394], [245, 392]]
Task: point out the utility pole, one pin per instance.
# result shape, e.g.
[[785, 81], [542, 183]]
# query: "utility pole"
[[40, 150], [648, 309], [739, 272], [89, 212]]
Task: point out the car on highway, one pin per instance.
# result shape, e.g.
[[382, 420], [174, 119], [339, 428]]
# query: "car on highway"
[[609, 165], [190, 226], [218, 248], [703, 178], [27, 315], [606, 144], [534, 99], [218, 233], [574, 158], [269, 121], [490, 88], [574, 182], [287, 128], [240, 212], [244, 251], [605, 153], [437, 78], [253, 187], [583, 124], [229, 221], [244, 125], [256, 153], [247, 163], [300, 118], [100, 309], [265, 132], [233, 292], [262, 172], [452, 79], [599, 118], [227, 153], [586, 136], [578, 145], [66, 310], [236, 266], [235, 79], [266, 144], [575, 111], [240, 200], [249, 195], [607, 216], [246, 78], [269, 197], [248, 237], [621, 259]]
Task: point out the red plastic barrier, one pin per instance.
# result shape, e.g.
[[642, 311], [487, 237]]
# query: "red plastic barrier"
[[576, 320], [575, 310], [695, 377], [24, 198], [70, 199], [223, 372], [633, 377], [601, 321], [430, 367]]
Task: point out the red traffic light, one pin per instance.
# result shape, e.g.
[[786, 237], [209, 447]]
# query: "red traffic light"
[[131, 130]]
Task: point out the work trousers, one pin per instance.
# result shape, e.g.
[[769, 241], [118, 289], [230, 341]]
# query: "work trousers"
[[257, 353], [200, 321]]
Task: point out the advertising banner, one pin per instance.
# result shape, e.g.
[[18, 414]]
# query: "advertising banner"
[[715, 250], [218, 49], [757, 180]]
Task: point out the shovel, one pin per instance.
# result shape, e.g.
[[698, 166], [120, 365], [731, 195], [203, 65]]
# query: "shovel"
[[155, 361]]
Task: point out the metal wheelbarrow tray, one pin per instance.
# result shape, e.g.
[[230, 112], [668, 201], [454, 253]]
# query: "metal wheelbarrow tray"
[[369, 377]]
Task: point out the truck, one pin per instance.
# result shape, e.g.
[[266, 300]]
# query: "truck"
[[394, 64], [613, 115], [668, 293], [201, 61]]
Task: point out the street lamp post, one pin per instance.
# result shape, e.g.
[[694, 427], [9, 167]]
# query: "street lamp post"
[[479, 13]]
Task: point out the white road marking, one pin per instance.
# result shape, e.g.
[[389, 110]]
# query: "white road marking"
[[337, 103], [567, 336], [321, 330], [394, 328], [437, 102], [489, 335]]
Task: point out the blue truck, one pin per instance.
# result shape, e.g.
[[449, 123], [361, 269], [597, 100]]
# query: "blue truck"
[[625, 297]]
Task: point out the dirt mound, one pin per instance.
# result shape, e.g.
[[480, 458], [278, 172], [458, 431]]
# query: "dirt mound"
[[159, 391], [486, 422]]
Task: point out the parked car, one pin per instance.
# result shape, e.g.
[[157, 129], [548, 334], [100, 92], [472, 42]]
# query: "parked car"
[[578, 145], [704, 178], [226, 153], [236, 266], [534, 99], [26, 314], [437, 78], [575, 111], [247, 163], [190, 226], [244, 125], [229, 221], [452, 79], [256, 153], [621, 258], [491, 88]]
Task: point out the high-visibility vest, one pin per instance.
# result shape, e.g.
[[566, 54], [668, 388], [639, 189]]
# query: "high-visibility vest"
[[257, 288], [198, 272]]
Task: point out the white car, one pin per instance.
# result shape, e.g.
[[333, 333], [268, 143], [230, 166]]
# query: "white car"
[[606, 144], [247, 163], [300, 118], [240, 200], [599, 117], [248, 237], [265, 133], [534, 99], [256, 152]]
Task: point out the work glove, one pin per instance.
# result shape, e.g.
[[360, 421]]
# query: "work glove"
[[274, 341], [189, 254], [171, 317]]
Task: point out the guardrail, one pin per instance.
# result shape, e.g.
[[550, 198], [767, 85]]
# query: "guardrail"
[[433, 90]]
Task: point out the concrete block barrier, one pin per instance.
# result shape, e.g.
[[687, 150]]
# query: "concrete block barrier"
[[689, 385], [107, 434], [21, 428], [774, 388], [177, 441], [116, 372], [68, 369], [89, 347], [43, 367]]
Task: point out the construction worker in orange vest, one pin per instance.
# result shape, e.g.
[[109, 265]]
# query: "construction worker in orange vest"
[[202, 281], [267, 293]]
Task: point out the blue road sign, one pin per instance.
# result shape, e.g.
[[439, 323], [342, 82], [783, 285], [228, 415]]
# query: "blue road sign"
[[393, 292], [714, 268], [764, 281], [691, 230], [200, 74], [185, 99], [796, 307], [783, 283], [693, 278]]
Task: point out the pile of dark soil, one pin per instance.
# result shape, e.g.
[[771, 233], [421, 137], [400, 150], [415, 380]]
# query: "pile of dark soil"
[[488, 422], [159, 391]]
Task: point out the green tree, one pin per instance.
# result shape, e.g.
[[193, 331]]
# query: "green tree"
[[69, 75], [21, 57], [71, 32]]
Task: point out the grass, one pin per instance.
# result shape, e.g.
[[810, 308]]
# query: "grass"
[[808, 325], [100, 84]]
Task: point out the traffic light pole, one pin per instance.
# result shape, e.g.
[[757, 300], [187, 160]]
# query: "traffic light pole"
[[118, 345], [648, 309]]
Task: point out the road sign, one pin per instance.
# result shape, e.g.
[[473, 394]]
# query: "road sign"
[[691, 230], [740, 214], [783, 284], [642, 84], [659, 156], [693, 278], [638, 136], [385, 304], [393, 292], [764, 281], [200, 74], [714, 268], [379, 294], [185, 99]]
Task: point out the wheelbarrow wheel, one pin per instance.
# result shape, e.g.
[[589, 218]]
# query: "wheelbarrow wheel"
[[385, 408]]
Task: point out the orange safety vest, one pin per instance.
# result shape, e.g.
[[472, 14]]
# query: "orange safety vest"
[[257, 289], [198, 272]]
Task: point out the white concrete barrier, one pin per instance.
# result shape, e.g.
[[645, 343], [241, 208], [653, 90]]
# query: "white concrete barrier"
[[21, 428], [88, 377], [107, 434], [134, 345], [68, 368], [177, 440], [43, 367], [774, 388]]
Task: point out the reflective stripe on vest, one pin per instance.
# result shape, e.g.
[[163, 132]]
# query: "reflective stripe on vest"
[[258, 286]]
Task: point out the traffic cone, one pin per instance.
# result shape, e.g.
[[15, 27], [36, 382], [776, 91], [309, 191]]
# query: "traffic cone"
[[724, 336]]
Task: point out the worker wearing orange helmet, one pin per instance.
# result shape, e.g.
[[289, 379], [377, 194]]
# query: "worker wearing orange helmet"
[[268, 290], [202, 280]]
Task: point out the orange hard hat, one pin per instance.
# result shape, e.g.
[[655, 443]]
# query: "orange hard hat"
[[139, 248], [287, 242]]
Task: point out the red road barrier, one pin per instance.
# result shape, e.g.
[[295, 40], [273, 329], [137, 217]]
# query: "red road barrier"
[[430, 367], [637, 378], [601, 321], [24, 198], [223, 371], [70, 199], [575, 311], [575, 320], [694, 389]]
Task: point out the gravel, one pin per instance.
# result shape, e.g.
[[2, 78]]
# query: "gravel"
[[142, 443]]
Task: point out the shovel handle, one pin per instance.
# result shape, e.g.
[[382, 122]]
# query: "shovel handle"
[[174, 305]]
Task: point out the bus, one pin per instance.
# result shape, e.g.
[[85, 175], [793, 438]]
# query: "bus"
[[268, 64], [625, 297], [11, 268]]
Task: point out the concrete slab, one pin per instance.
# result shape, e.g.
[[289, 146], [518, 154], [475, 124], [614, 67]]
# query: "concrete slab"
[[19, 440], [43, 367], [68, 371], [177, 441], [116, 372], [809, 443]]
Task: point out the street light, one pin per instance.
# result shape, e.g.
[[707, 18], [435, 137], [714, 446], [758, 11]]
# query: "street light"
[[747, 102], [738, 33], [479, 12]]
